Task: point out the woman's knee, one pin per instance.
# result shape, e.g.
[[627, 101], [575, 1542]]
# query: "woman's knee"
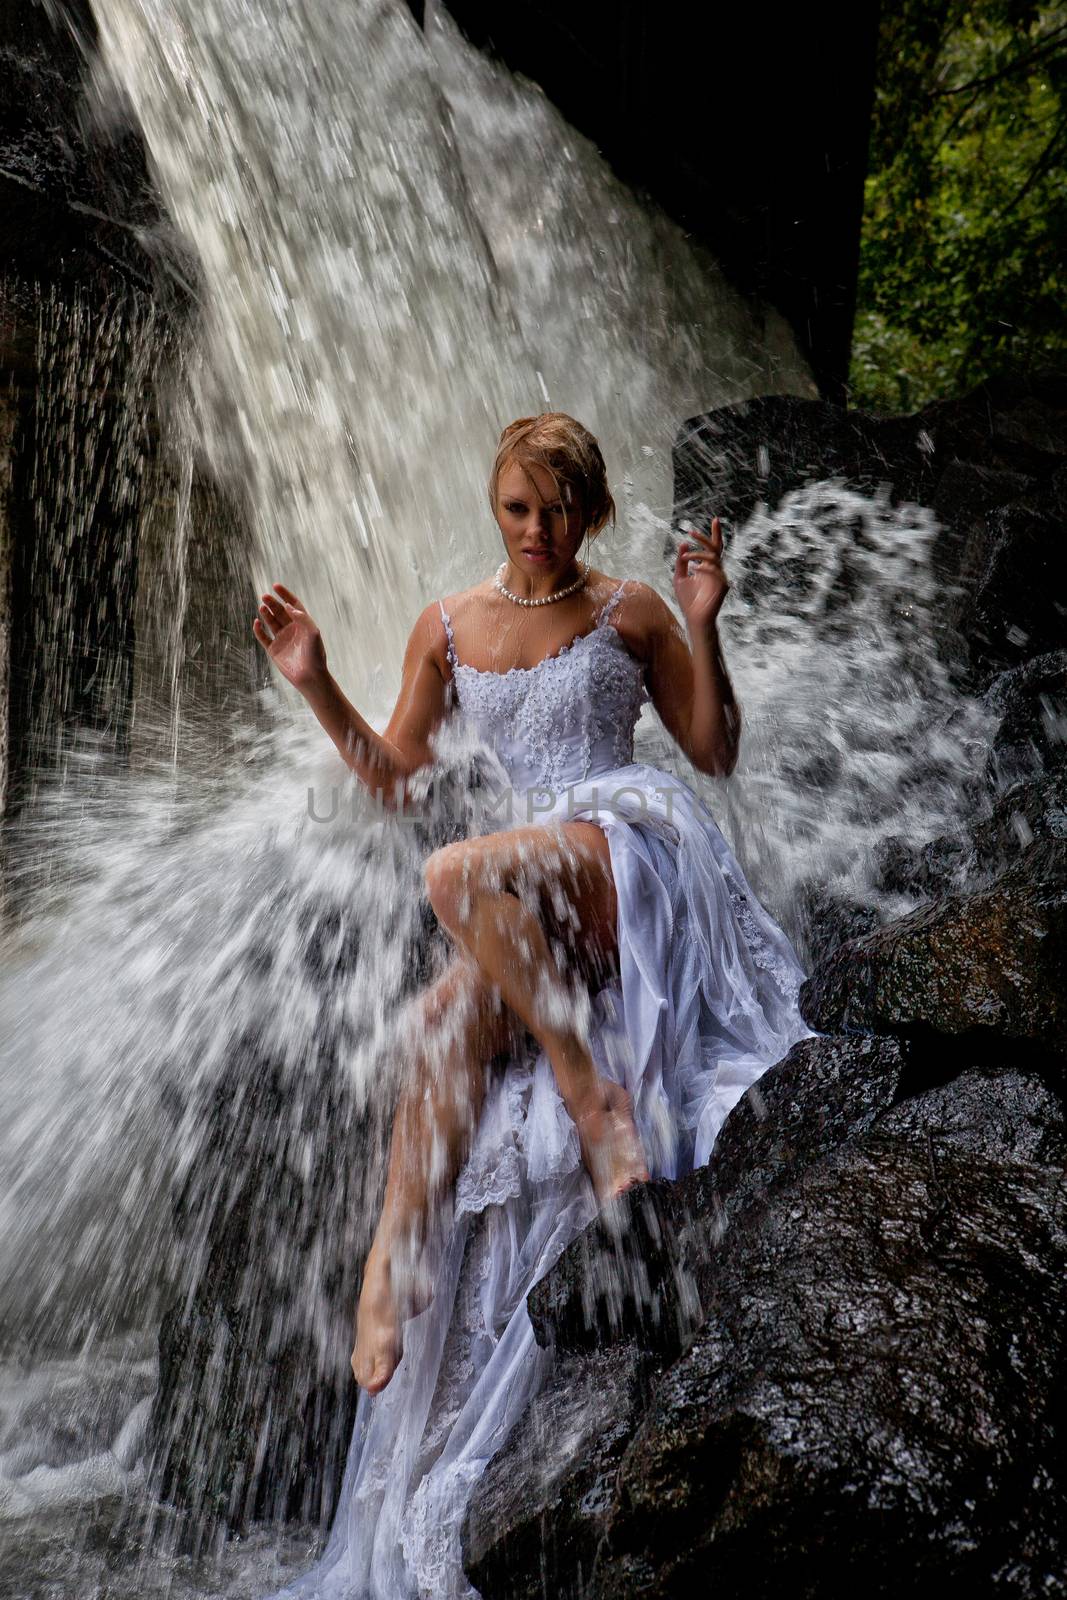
[[462, 1009], [453, 876]]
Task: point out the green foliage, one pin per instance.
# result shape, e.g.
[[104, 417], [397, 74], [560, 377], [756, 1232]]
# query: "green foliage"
[[962, 265]]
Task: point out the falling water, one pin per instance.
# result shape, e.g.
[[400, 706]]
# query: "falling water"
[[396, 247]]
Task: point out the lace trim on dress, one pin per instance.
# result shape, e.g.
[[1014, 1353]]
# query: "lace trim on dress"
[[446, 619], [599, 621], [432, 1528], [493, 1171], [610, 603], [763, 953], [585, 697]]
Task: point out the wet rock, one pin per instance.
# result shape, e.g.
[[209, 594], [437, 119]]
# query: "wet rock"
[[622, 1279], [867, 1397], [1034, 808], [1018, 598], [635, 1278], [1003, 1113], [991, 962], [1032, 736], [828, 1089], [623, 1302], [872, 1401], [899, 866], [1025, 812], [991, 465], [540, 1510], [828, 917], [76, 196]]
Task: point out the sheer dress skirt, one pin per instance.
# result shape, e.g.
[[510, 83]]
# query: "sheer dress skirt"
[[705, 1001]]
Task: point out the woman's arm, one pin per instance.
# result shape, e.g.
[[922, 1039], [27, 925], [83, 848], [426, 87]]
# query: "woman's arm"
[[383, 761], [688, 681], [714, 734]]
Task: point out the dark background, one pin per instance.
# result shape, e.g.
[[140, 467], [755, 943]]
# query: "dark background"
[[749, 124]]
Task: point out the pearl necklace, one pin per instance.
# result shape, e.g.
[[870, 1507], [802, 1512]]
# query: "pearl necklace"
[[546, 600]]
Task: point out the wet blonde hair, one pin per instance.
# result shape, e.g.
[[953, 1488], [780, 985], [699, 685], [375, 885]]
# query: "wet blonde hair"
[[569, 453]]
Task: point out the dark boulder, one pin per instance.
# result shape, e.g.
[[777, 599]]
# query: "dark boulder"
[[623, 1302], [827, 916], [991, 466], [988, 963], [1030, 809], [637, 1276], [539, 1514], [868, 1396], [900, 866], [825, 1091], [77, 199], [873, 1399], [1031, 737], [1025, 812]]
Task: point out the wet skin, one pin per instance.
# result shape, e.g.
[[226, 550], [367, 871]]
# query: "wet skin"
[[517, 958], [499, 899]]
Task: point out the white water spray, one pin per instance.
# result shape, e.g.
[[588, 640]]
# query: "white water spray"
[[398, 248]]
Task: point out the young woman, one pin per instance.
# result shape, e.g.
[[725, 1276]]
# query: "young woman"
[[615, 985]]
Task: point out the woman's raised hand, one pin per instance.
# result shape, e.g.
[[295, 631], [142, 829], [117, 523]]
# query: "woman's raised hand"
[[290, 637], [699, 581]]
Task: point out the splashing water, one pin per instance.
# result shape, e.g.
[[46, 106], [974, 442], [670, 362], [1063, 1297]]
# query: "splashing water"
[[854, 730], [398, 259], [199, 1006]]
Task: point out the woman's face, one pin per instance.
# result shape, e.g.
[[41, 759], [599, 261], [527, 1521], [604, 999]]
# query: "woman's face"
[[540, 535]]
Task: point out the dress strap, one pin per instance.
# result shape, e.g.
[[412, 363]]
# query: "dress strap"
[[453, 663], [607, 609]]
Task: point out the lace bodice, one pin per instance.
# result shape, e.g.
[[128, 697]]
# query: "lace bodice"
[[568, 718]]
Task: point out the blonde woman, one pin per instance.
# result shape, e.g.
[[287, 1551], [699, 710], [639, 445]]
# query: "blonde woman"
[[614, 988]]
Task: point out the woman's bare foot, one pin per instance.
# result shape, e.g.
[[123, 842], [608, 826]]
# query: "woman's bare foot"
[[611, 1145], [379, 1340], [380, 1319]]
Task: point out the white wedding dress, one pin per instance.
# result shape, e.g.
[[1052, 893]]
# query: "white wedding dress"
[[705, 1002]]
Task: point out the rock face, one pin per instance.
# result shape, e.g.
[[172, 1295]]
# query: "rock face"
[[989, 965], [73, 294], [93, 310], [828, 1362], [895, 1427], [993, 467], [871, 1395]]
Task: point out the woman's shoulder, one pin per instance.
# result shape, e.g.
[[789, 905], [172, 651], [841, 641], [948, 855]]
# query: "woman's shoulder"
[[632, 589], [629, 596], [433, 626], [459, 599], [637, 600], [639, 614]]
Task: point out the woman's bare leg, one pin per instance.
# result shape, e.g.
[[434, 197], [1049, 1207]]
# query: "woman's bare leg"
[[493, 895], [460, 1026]]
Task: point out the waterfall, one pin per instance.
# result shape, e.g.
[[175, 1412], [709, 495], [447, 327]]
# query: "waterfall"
[[395, 247], [400, 249]]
